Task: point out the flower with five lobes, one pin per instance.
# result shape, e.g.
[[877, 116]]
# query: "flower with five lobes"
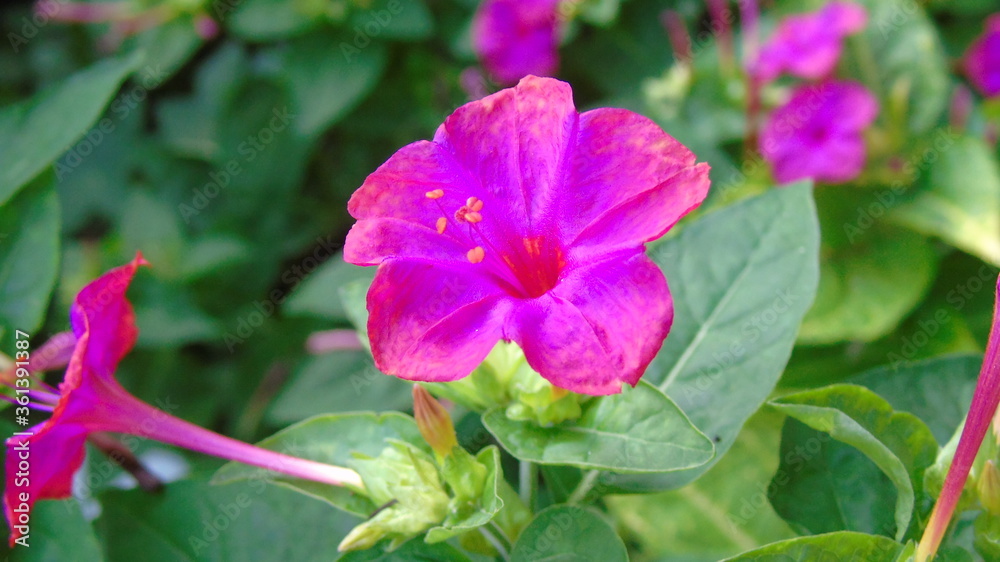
[[40, 462], [524, 221]]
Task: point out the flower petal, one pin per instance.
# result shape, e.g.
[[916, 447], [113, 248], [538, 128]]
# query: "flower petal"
[[515, 142], [619, 156], [515, 38], [600, 327], [428, 322], [54, 454]]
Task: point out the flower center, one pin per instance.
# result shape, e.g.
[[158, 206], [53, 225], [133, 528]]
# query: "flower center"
[[526, 267]]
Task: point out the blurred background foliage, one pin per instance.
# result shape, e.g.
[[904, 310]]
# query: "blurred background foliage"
[[229, 162]]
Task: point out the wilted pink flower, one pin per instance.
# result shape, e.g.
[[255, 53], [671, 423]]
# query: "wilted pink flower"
[[809, 45], [524, 221], [818, 133], [40, 461], [515, 38], [982, 61]]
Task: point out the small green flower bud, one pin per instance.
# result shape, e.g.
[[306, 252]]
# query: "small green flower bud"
[[988, 487]]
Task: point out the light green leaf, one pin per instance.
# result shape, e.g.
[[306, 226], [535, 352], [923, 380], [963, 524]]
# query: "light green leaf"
[[568, 533], [832, 546], [37, 131], [29, 258], [639, 430], [742, 278], [330, 439], [463, 518], [897, 442], [959, 201], [317, 296]]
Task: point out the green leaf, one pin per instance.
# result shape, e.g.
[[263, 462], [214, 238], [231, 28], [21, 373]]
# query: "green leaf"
[[742, 278], [193, 521], [960, 200], [844, 545], [268, 20], [324, 82], [331, 439], [897, 442], [639, 430], [36, 131], [463, 518], [29, 258], [414, 549], [58, 532], [313, 296], [938, 390], [723, 513], [870, 278], [392, 19], [565, 533]]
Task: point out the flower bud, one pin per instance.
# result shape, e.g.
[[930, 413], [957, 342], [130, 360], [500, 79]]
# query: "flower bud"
[[433, 422], [988, 487]]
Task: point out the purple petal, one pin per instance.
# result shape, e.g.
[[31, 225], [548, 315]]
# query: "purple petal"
[[432, 323], [517, 38], [600, 327], [619, 156], [982, 61]]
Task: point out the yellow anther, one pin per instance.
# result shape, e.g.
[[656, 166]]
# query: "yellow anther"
[[435, 194], [474, 204], [441, 224], [473, 217], [476, 254]]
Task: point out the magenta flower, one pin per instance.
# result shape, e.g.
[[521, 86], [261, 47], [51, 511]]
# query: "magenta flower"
[[515, 38], [809, 45], [818, 133], [985, 400], [41, 460], [982, 61], [524, 221]]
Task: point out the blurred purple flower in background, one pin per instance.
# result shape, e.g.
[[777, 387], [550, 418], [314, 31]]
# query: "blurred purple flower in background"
[[808, 45], [515, 38], [818, 133], [982, 61], [524, 221]]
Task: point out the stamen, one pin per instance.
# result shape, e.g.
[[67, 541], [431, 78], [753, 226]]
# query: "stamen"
[[476, 254], [435, 194], [441, 224], [473, 217], [474, 204]]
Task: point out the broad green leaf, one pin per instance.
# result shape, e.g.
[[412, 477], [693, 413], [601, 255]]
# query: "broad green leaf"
[[413, 549], [268, 20], [568, 533], [37, 131], [331, 439], [938, 390], [845, 545], [338, 382], [29, 258], [723, 513], [193, 521], [872, 275], [741, 277], [639, 430], [313, 296], [897, 442], [58, 531], [470, 517], [959, 201], [325, 83], [391, 19]]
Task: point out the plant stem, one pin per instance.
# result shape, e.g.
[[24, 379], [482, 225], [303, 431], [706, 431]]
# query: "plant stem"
[[528, 483], [497, 538], [584, 487]]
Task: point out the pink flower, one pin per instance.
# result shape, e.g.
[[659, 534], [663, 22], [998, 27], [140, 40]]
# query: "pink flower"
[[515, 38], [981, 412], [41, 461], [818, 133], [982, 61], [524, 221], [809, 45]]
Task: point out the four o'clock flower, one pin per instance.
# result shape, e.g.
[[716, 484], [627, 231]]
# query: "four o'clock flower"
[[982, 60], [41, 461], [985, 400], [524, 221], [808, 45], [515, 38], [818, 133]]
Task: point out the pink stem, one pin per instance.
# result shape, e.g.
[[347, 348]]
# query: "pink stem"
[[333, 340], [678, 34], [984, 405]]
